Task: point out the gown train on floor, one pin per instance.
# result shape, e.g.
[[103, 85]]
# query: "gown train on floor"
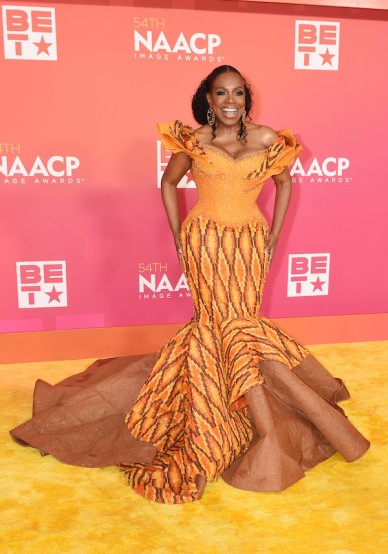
[[230, 394]]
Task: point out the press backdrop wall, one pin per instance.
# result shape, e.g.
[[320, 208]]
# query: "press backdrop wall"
[[84, 239]]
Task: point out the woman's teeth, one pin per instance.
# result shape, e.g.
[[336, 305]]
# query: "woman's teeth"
[[230, 112]]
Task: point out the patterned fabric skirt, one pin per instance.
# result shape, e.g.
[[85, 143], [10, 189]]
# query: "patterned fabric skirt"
[[230, 394], [193, 407]]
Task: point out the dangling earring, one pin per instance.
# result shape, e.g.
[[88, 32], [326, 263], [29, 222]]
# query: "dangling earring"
[[211, 116], [242, 134]]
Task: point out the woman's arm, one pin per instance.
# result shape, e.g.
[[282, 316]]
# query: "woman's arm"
[[177, 167], [283, 184]]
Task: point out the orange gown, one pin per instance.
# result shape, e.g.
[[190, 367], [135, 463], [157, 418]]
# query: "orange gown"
[[188, 419]]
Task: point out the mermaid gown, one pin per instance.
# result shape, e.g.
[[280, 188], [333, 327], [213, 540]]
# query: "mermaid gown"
[[174, 420]]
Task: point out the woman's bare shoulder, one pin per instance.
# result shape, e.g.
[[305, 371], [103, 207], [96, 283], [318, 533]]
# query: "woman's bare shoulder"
[[260, 136], [204, 133], [263, 134]]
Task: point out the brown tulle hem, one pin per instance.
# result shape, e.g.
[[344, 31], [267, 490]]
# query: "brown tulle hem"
[[295, 420]]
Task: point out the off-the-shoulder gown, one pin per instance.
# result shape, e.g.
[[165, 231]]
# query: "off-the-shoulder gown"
[[174, 420]]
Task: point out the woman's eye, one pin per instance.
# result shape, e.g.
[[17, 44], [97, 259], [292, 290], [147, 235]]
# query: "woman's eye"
[[223, 92]]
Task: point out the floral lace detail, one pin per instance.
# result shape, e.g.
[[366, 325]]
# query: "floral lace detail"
[[187, 137]]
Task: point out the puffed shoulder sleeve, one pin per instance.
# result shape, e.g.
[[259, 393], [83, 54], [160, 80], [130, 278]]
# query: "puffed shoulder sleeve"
[[283, 151], [280, 154], [178, 137]]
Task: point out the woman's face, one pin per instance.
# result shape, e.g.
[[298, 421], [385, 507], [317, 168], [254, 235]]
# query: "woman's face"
[[227, 98]]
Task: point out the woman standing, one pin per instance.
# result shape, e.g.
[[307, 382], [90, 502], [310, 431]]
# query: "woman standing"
[[230, 394]]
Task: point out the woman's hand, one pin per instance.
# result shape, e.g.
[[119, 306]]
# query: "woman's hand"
[[179, 248], [270, 246]]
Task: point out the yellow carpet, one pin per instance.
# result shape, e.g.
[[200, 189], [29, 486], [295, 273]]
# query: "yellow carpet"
[[338, 508]]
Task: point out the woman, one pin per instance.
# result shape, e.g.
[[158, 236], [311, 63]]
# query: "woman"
[[230, 394]]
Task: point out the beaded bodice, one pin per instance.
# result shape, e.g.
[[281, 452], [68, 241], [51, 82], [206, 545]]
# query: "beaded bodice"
[[227, 187]]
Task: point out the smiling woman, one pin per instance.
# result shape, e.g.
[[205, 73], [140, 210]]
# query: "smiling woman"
[[230, 394], [240, 397]]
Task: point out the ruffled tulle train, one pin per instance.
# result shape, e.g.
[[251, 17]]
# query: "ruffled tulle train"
[[231, 401]]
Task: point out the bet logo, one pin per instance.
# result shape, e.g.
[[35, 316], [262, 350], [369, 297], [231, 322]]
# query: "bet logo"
[[308, 274], [317, 45], [41, 284], [29, 33]]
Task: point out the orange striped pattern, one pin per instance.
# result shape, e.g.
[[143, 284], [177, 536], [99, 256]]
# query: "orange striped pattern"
[[192, 407]]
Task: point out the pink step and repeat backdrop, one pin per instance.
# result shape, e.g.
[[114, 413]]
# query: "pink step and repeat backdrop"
[[84, 239]]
